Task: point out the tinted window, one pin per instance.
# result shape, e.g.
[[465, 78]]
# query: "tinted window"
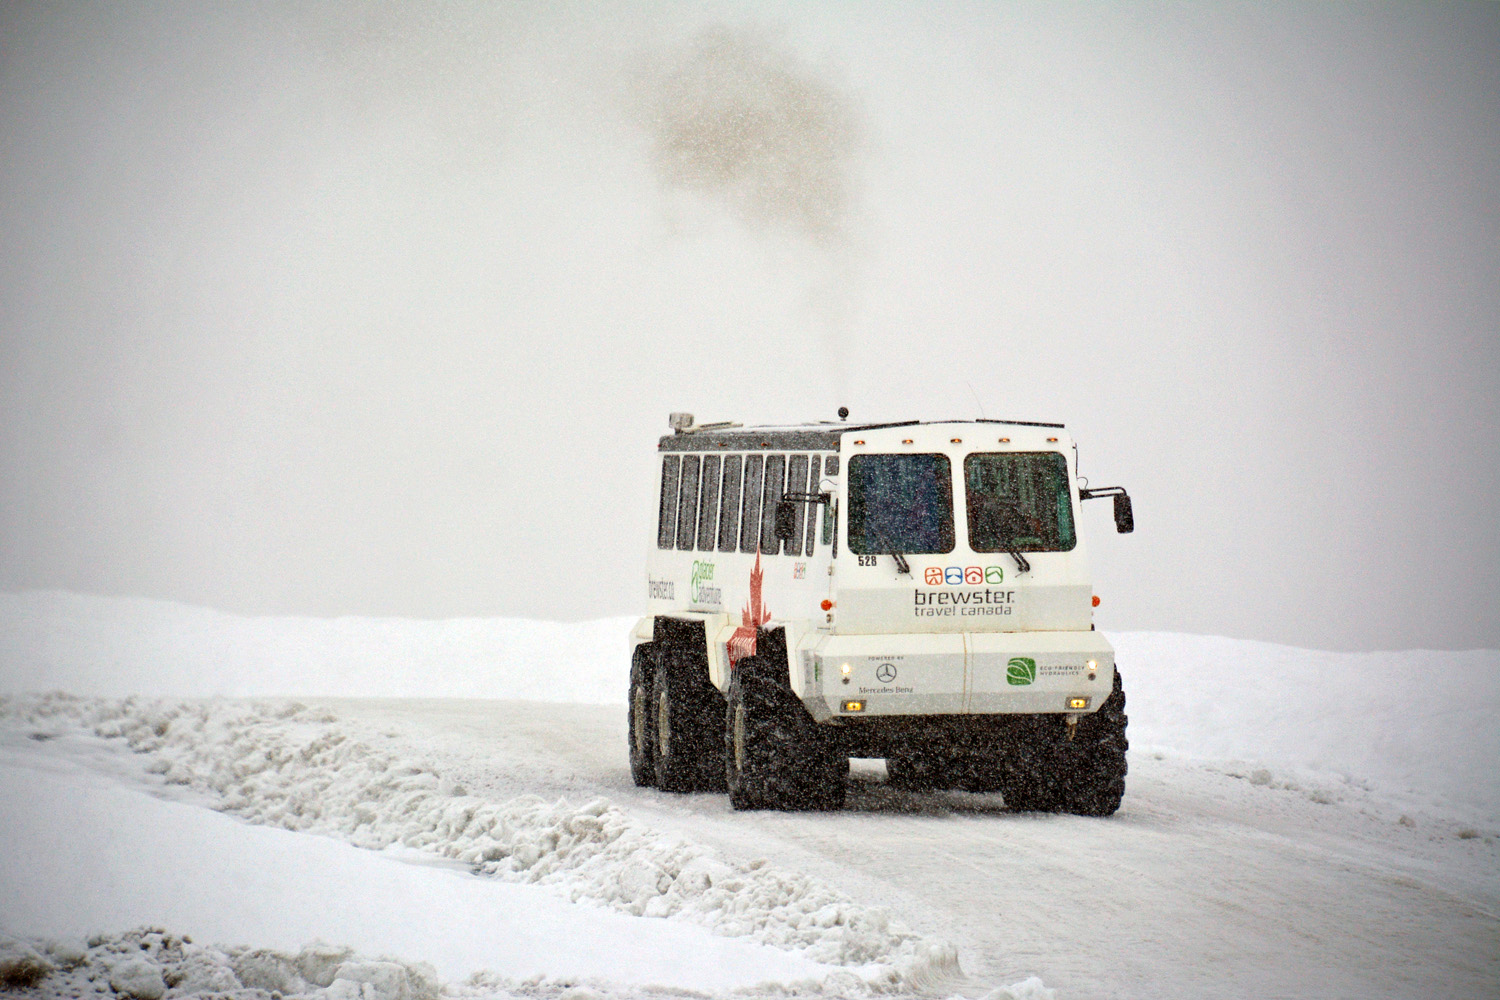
[[900, 503], [708, 508], [687, 503], [1020, 501], [666, 515], [729, 507], [750, 522], [810, 511], [774, 487]]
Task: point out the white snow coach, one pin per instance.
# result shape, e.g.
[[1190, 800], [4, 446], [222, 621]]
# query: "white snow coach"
[[912, 591]]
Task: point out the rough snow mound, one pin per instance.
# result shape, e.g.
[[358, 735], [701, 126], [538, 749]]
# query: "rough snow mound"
[[150, 964], [285, 765]]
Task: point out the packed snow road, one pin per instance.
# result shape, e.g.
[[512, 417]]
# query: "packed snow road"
[[1296, 823], [1209, 882]]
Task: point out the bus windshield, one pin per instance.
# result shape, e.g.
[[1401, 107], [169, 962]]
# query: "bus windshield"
[[1019, 502], [900, 503]]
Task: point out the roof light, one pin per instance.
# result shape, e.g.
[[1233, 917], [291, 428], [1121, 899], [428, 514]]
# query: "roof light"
[[1053, 440], [1005, 440], [955, 440], [906, 440], [859, 442]]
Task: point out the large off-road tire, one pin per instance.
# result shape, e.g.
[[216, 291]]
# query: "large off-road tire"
[[1084, 775], [775, 758], [688, 718], [643, 715]]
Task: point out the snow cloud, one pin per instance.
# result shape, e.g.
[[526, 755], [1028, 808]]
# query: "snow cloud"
[[737, 118]]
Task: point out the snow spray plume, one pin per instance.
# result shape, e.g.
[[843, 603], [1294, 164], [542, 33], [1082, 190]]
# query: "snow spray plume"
[[734, 118]]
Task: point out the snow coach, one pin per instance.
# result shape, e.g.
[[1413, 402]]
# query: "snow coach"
[[912, 591]]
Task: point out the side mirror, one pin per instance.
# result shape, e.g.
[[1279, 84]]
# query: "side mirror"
[[786, 520], [1124, 516]]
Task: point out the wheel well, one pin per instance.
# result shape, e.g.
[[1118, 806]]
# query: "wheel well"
[[683, 645]]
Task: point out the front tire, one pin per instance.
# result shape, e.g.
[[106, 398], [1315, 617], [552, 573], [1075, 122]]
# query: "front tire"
[[774, 756], [1084, 775]]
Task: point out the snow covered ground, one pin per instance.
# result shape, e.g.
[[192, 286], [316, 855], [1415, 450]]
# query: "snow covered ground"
[[455, 794]]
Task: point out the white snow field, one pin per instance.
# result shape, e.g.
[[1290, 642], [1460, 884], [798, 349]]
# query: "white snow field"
[[457, 795]]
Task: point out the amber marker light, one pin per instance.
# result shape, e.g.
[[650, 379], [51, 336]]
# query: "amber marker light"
[[955, 440], [1096, 600], [827, 605], [1078, 703], [906, 440], [854, 706], [1005, 440], [859, 442], [1052, 440]]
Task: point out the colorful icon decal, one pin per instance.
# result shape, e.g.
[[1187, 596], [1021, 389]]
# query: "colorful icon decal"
[[953, 576]]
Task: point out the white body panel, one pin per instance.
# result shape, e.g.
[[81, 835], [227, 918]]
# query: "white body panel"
[[949, 629]]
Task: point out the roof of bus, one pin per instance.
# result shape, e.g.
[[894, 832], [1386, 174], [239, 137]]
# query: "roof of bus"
[[802, 437]]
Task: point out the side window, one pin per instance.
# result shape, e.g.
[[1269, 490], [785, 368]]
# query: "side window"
[[813, 486], [775, 486], [755, 469], [708, 508], [666, 515], [729, 508], [796, 482], [687, 504], [830, 468]]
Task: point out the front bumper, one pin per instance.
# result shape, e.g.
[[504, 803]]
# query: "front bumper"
[[962, 673]]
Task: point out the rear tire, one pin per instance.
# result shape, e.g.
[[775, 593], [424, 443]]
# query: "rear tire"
[[774, 755], [687, 714], [643, 715]]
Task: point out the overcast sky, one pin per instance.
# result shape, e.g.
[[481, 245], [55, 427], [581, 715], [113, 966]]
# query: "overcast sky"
[[379, 309]]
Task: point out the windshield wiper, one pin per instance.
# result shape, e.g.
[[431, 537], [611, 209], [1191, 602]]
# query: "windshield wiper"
[[1014, 518], [901, 566]]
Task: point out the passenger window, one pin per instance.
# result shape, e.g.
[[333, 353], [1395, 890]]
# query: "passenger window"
[[687, 504], [729, 508], [708, 508], [814, 485], [755, 469], [796, 482], [666, 519], [775, 486]]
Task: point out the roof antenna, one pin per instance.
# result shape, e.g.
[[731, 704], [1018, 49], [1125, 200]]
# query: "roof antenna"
[[843, 413], [976, 399]]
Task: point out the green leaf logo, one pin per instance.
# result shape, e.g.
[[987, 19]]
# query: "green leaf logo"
[[1020, 670]]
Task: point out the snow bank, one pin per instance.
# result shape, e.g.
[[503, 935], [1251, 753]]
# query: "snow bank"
[[151, 964], [117, 646], [1417, 725], [1413, 724], [286, 766]]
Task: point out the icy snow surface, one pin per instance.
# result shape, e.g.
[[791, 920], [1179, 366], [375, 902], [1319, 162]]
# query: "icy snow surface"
[[1295, 823]]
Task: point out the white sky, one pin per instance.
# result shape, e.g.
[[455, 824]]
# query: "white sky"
[[379, 309]]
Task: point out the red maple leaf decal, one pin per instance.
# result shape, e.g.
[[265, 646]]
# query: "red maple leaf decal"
[[755, 614]]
